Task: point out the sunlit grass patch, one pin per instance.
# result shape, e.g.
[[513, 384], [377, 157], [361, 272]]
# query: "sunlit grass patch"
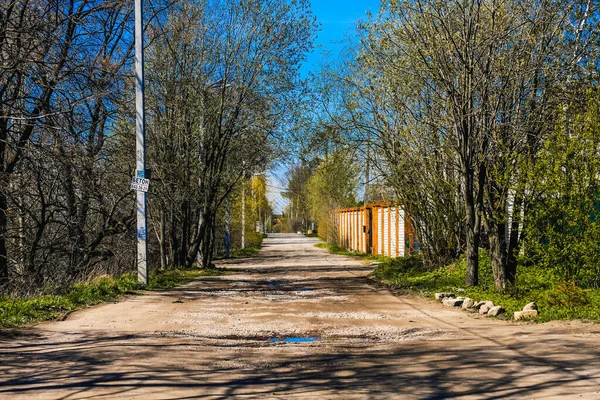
[[18, 311], [335, 249], [555, 300]]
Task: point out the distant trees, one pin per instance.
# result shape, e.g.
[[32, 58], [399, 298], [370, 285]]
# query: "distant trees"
[[325, 180], [221, 79], [332, 186], [318, 188], [298, 213]]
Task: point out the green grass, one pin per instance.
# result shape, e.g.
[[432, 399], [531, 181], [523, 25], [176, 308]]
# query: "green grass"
[[556, 300], [18, 311], [243, 253], [335, 249], [250, 251]]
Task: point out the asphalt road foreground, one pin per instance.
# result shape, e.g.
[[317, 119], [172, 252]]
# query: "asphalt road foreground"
[[295, 322]]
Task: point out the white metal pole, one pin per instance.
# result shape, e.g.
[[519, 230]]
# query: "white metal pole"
[[244, 215], [140, 145]]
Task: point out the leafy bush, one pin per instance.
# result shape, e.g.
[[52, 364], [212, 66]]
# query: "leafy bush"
[[254, 239], [563, 218], [278, 228], [567, 294]]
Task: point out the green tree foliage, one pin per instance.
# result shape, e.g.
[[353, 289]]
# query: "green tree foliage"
[[332, 186], [455, 99], [297, 211], [563, 218]]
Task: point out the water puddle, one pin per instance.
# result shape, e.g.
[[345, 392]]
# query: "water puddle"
[[305, 289], [274, 283], [295, 339]]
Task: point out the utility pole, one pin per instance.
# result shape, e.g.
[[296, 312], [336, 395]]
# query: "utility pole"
[[367, 195], [140, 145], [244, 214]]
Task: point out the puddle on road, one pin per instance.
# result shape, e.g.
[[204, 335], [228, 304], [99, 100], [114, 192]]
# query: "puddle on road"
[[313, 339], [295, 339], [303, 289], [274, 283]]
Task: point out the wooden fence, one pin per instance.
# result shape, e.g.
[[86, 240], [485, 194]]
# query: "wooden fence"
[[378, 228]]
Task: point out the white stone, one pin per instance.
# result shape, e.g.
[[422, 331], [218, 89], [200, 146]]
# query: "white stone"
[[484, 309], [452, 302], [441, 296], [468, 303], [495, 311], [530, 307], [478, 304], [526, 314]]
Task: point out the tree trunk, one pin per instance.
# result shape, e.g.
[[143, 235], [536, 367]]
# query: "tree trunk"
[[472, 250], [196, 245], [196, 248], [163, 239], [3, 229], [174, 245], [208, 244], [497, 238], [472, 233], [494, 221], [185, 239], [74, 227], [514, 242]]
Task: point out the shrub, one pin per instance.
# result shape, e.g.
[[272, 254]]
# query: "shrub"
[[567, 294]]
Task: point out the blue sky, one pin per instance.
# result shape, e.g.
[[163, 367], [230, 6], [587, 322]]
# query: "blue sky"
[[338, 18]]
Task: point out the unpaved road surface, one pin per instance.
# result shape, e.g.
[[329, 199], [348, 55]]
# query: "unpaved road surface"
[[295, 322]]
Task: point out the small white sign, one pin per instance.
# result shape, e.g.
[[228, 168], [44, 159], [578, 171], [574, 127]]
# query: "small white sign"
[[139, 184]]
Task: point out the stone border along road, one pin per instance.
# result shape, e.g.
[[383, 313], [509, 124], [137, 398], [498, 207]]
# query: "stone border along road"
[[295, 322]]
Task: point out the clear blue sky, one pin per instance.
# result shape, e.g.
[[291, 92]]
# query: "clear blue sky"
[[338, 18]]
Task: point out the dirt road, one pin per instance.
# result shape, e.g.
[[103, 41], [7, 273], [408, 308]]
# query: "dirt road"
[[295, 322]]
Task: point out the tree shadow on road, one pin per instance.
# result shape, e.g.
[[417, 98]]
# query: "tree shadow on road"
[[127, 365]]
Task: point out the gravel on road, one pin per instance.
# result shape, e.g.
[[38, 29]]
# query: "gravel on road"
[[296, 322]]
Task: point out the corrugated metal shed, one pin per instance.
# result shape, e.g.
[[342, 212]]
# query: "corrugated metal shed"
[[377, 228]]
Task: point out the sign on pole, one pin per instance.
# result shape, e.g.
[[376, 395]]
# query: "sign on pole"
[[140, 147], [139, 184]]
